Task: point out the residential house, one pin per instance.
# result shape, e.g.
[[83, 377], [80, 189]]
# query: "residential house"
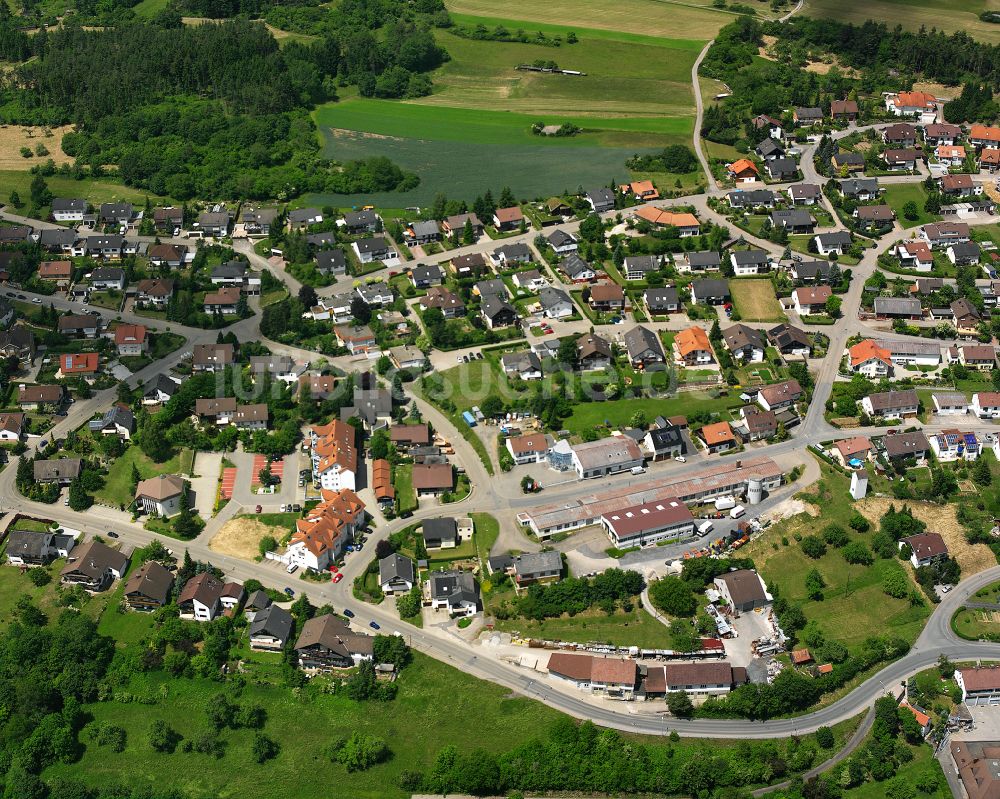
[[473, 265], [607, 297], [805, 116], [637, 267], [804, 194], [661, 301], [782, 169], [752, 199], [159, 390], [160, 495], [749, 262], [372, 405], [108, 278], [456, 592], [718, 437], [981, 357], [363, 221], [986, 405], [963, 253], [58, 272], [217, 411], [849, 450], [953, 155], [989, 159], [915, 255], [601, 199], [167, 219], [642, 190], [613, 677], [232, 273], [556, 207], [912, 104], [593, 352], [874, 215], [709, 292], [926, 548], [155, 292], [377, 294], [845, 161], [93, 566], [131, 340], [205, 596], [116, 213], [742, 170], [396, 574], [687, 224], [745, 343], [116, 421], [374, 249], [259, 221], [29, 548], [529, 448], [861, 190], [270, 629], [778, 396], [79, 325], [321, 241], [432, 479], [78, 364], [215, 224], [756, 424], [902, 134], [869, 359], [703, 261], [965, 317], [148, 587], [508, 218], [844, 110], [212, 357], [701, 678], [789, 340], [793, 221], [941, 133], [692, 347], [810, 271], [891, 404], [980, 685], [610, 455], [251, 417], [224, 301], [508, 254], [809, 300], [984, 136], [424, 277], [68, 210], [18, 342], [327, 642], [644, 348], [556, 303], [954, 445], [576, 269], [282, 368], [319, 538], [902, 159], [906, 445], [331, 262], [898, 308], [422, 232], [40, 397], [526, 365], [497, 312], [535, 567], [301, 218], [440, 533], [950, 403], [666, 442], [356, 339], [455, 225], [407, 436], [835, 242], [11, 426], [61, 471], [445, 300], [769, 149], [316, 387], [943, 234], [561, 242]]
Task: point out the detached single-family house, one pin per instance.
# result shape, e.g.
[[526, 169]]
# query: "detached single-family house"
[[745, 343], [917, 104], [805, 116], [600, 200], [561, 242], [742, 170], [593, 352], [926, 548], [704, 261], [374, 249], [692, 347], [508, 218], [68, 210], [270, 629], [891, 404], [327, 642], [942, 234], [661, 301], [901, 134], [986, 405], [160, 495], [555, 303], [709, 292], [93, 566], [455, 225], [804, 194], [869, 359], [148, 587], [915, 255], [363, 221], [789, 340], [644, 348], [607, 297], [526, 365], [779, 396], [749, 262], [782, 169], [719, 437], [861, 190], [457, 592], [836, 242], [396, 574], [963, 253], [809, 300], [793, 221], [576, 269], [300, 218]]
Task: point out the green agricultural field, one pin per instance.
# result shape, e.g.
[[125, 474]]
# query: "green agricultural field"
[[694, 20], [946, 15], [896, 195], [635, 628]]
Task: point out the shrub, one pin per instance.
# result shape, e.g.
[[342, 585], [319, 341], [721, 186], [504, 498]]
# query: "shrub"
[[813, 546], [857, 553]]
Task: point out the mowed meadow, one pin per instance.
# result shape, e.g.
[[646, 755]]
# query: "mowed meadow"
[[474, 132]]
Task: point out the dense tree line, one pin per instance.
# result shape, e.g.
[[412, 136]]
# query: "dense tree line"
[[576, 594]]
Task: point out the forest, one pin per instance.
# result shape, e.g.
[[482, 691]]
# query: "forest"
[[224, 113]]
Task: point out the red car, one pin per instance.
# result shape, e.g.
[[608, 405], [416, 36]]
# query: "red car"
[[338, 577]]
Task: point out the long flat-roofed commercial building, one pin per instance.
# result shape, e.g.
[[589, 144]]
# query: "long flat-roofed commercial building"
[[724, 479]]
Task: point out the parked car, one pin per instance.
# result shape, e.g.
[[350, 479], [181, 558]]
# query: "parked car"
[[289, 592], [338, 577], [374, 625], [349, 613], [296, 508], [259, 509], [113, 534]]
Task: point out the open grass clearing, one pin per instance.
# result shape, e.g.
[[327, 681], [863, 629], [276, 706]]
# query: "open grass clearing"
[[406, 497], [944, 15], [896, 195], [95, 191], [588, 415], [755, 301], [14, 137], [633, 628]]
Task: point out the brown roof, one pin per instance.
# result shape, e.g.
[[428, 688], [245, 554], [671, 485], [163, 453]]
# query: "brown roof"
[[213, 406], [251, 413], [43, 393], [227, 295], [205, 587], [410, 433], [800, 656], [706, 673], [152, 581], [744, 586], [927, 545], [433, 475], [330, 632], [219, 354], [781, 392], [93, 559], [155, 287], [512, 214], [978, 767], [533, 442], [813, 295], [161, 487], [614, 671], [382, 479], [575, 667], [656, 680], [50, 269], [981, 678], [850, 447], [606, 292]]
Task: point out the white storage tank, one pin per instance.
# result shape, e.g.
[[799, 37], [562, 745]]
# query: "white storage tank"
[[755, 491]]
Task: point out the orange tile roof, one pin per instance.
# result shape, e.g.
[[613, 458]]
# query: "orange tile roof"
[[50, 269], [641, 188], [334, 443], [717, 433], [851, 447], [738, 167], [382, 479], [78, 363], [866, 350], [915, 100], [990, 155], [922, 718], [130, 334], [657, 216], [984, 132], [326, 523], [691, 340], [950, 151], [800, 656], [919, 250]]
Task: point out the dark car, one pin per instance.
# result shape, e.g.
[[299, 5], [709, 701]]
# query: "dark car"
[[374, 625], [289, 592], [113, 534], [349, 613], [406, 514]]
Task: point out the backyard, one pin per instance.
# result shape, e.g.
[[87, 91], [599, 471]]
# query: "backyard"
[[117, 488], [590, 415]]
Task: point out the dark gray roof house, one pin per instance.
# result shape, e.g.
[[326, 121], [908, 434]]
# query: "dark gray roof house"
[[602, 199], [661, 300], [706, 259], [440, 532], [273, 622], [331, 262]]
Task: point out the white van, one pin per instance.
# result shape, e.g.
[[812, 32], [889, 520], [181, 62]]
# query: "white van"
[[291, 568], [638, 470]]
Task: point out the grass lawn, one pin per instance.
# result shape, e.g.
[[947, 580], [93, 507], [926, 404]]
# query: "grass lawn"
[[755, 301], [896, 195], [112, 300], [487, 531], [854, 606], [96, 191], [588, 415], [911, 14], [466, 385], [406, 497], [273, 296], [635, 628], [117, 488], [977, 623]]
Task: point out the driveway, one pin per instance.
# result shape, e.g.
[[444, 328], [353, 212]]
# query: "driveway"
[[205, 481]]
